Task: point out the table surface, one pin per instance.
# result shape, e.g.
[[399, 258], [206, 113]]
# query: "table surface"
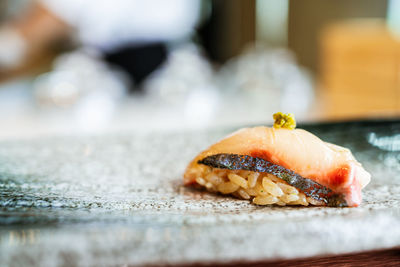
[[118, 198]]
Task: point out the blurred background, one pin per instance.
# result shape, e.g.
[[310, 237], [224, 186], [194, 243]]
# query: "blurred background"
[[73, 67]]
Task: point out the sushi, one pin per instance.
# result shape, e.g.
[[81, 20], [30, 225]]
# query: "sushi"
[[280, 165]]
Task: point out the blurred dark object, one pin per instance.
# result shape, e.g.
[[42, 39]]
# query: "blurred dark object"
[[229, 29], [138, 61], [3, 8], [308, 17]]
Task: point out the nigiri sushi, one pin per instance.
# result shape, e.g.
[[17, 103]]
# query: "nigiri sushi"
[[280, 165]]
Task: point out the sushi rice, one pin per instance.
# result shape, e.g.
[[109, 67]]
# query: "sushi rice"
[[260, 188]]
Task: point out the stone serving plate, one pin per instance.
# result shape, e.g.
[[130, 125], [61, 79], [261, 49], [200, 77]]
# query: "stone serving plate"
[[113, 200]]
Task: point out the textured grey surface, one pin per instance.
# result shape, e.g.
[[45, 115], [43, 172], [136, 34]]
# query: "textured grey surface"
[[119, 199]]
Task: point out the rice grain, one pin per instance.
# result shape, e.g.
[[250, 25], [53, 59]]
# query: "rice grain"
[[252, 179], [271, 187], [239, 180], [265, 200], [227, 188]]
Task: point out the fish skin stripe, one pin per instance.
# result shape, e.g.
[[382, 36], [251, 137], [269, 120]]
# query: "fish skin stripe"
[[307, 186]]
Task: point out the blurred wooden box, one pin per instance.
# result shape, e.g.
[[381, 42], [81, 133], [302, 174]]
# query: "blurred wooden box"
[[359, 68]]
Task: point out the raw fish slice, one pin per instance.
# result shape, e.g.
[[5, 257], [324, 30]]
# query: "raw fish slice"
[[297, 150]]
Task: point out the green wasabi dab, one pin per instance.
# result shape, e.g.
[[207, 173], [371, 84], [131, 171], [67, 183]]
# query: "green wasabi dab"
[[284, 120]]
